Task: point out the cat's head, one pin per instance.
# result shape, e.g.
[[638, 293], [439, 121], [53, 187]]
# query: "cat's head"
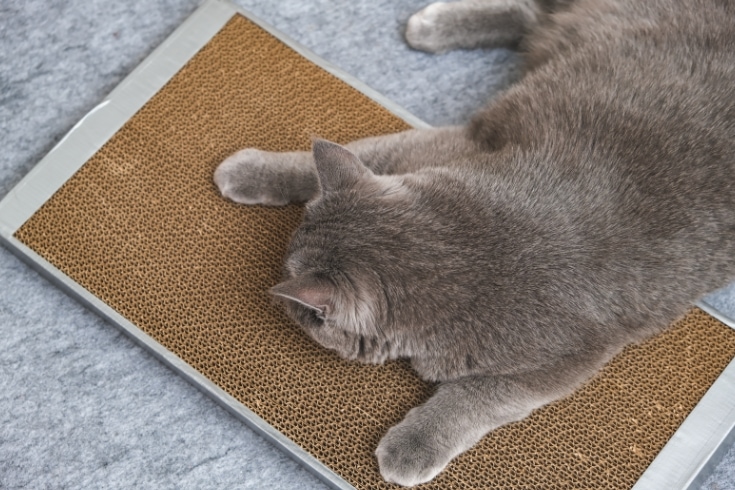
[[342, 259]]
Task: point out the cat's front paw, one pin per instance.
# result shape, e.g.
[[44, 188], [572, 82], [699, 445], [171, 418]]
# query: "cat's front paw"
[[250, 177], [408, 456], [426, 30]]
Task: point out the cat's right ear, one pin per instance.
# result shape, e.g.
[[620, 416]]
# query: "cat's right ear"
[[313, 292], [337, 167]]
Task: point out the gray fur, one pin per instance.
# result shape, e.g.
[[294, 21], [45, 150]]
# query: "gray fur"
[[585, 208]]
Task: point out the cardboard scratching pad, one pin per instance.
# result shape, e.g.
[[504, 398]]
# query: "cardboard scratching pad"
[[142, 227]]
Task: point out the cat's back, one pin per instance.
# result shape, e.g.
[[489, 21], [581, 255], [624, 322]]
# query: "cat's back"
[[619, 148], [627, 89]]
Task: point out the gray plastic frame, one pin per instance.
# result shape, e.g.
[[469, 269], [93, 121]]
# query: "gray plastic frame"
[[685, 461]]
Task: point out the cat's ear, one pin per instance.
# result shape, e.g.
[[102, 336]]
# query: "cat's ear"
[[336, 166], [312, 292]]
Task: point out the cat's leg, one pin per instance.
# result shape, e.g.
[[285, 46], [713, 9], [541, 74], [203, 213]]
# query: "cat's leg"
[[464, 410], [468, 24], [254, 176]]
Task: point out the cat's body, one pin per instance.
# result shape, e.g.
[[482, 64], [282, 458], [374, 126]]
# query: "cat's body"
[[585, 208]]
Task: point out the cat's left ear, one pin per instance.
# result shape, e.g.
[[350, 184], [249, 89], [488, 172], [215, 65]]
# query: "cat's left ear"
[[336, 166], [313, 292]]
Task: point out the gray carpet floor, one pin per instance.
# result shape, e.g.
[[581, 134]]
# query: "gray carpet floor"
[[81, 406]]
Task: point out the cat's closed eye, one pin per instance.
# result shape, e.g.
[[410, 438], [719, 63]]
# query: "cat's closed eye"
[[316, 317]]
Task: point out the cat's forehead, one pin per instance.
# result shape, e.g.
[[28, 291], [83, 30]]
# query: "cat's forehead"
[[336, 211], [340, 227], [331, 231], [376, 191], [317, 239]]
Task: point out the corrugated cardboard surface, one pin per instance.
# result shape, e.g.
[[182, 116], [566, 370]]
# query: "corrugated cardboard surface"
[[142, 226]]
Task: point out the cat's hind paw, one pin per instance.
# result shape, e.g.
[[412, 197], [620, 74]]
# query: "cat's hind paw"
[[425, 29]]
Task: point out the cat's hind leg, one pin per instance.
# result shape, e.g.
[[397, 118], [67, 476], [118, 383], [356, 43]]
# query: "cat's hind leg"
[[253, 176], [469, 24]]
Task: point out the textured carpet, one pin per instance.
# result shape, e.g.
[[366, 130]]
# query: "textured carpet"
[[81, 405]]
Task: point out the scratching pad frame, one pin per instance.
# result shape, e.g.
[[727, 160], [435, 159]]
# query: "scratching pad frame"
[[84, 163]]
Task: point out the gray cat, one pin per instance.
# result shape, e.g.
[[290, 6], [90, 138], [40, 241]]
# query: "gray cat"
[[583, 209]]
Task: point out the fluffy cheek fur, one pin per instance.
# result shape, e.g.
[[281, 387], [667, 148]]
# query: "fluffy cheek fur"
[[364, 347]]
